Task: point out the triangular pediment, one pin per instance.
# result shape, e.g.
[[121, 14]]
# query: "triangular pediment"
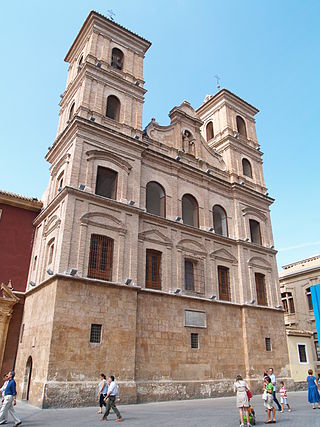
[[7, 294], [154, 236], [224, 255]]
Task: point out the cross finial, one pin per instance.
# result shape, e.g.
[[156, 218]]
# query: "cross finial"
[[111, 14], [218, 81]]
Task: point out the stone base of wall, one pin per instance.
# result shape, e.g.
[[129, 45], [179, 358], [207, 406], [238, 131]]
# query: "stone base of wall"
[[300, 386]]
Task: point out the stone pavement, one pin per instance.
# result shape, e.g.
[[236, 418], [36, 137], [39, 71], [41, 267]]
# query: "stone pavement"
[[205, 413]]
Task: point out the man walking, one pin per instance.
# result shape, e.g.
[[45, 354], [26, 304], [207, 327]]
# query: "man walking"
[[274, 382], [111, 398], [9, 401]]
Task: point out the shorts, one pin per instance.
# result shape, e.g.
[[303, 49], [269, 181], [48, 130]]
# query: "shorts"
[[284, 400]]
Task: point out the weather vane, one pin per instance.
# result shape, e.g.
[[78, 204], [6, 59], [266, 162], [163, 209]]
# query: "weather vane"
[[111, 14], [218, 81]]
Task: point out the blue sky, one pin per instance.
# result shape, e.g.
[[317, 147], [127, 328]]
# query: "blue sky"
[[265, 51]]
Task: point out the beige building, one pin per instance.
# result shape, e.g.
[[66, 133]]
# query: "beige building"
[[303, 344], [153, 257]]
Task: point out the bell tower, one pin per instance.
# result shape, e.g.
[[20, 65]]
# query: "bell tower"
[[229, 128], [105, 76]]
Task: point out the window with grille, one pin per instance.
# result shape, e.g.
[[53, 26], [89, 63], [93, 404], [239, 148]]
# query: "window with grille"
[[106, 184], [189, 274], [95, 333], [224, 283], [302, 353], [100, 258], [255, 233], [287, 302], [261, 289], [153, 262], [194, 340], [316, 345], [309, 299], [268, 344]]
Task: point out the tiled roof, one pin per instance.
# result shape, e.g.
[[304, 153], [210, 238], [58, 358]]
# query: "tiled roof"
[[19, 198]]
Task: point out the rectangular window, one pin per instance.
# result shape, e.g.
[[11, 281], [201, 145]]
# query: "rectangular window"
[[196, 319], [194, 340], [268, 344], [106, 184], [153, 262], [224, 283], [302, 353], [189, 274], [100, 258], [316, 345], [255, 233], [21, 332], [95, 333], [261, 289], [309, 299]]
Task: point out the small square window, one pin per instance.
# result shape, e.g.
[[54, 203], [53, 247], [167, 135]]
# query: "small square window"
[[268, 344], [194, 340], [95, 334]]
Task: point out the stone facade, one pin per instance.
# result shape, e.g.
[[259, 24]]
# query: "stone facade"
[[295, 282], [212, 256]]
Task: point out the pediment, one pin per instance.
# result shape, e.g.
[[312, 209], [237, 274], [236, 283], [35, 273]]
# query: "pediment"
[[254, 212], [154, 236], [259, 262], [192, 245], [103, 220], [53, 223], [7, 294], [110, 156], [224, 255]]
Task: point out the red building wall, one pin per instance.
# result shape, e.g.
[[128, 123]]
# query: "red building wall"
[[16, 238]]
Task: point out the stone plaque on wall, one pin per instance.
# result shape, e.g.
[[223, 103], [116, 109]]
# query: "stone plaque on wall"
[[196, 319]]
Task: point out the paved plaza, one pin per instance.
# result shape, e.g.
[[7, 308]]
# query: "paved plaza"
[[209, 412]]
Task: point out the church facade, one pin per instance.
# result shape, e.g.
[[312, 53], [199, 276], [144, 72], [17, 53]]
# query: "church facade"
[[153, 257]]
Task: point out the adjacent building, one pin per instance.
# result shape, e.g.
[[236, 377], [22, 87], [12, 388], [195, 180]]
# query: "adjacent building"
[[303, 344], [153, 257], [17, 214]]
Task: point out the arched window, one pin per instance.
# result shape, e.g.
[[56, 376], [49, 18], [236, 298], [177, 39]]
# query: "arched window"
[[220, 224], [190, 210], [113, 108], [246, 168], [80, 63], [255, 233], [156, 199], [106, 183], [60, 181], [241, 126], [117, 59], [71, 111], [209, 131], [50, 251]]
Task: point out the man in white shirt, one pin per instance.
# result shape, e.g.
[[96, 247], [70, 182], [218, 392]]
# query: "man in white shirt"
[[274, 382], [111, 398]]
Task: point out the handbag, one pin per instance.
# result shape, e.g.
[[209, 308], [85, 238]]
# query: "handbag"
[[265, 395], [249, 394]]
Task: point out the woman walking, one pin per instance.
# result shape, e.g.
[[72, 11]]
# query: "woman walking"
[[313, 393], [103, 390], [268, 401], [241, 387]]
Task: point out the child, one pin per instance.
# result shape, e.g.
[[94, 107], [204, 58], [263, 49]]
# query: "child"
[[284, 397]]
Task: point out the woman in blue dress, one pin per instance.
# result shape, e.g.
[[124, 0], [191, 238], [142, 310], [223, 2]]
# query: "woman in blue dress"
[[313, 393]]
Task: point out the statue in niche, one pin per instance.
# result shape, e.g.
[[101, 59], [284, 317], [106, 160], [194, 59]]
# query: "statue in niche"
[[188, 142]]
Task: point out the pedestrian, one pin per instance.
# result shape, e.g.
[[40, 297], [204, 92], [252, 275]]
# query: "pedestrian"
[[111, 398], [313, 393], [103, 390], [9, 402], [2, 389], [284, 397], [268, 403], [274, 383], [241, 387]]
